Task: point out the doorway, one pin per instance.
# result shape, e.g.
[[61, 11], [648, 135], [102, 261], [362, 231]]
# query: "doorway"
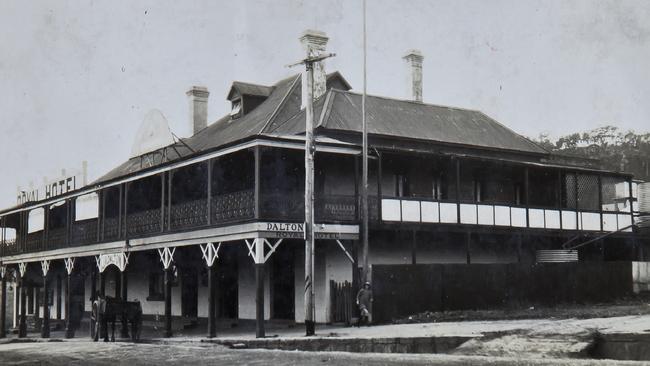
[[282, 282], [189, 292]]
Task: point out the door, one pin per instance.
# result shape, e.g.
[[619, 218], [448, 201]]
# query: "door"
[[282, 282], [189, 292]]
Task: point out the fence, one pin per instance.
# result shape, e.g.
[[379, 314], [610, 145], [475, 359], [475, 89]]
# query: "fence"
[[402, 290], [342, 298]]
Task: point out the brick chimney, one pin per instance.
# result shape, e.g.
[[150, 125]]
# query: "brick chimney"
[[413, 60], [198, 97], [314, 43]]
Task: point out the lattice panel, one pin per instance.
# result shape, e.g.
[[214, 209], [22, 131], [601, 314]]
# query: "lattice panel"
[[588, 192], [569, 197]]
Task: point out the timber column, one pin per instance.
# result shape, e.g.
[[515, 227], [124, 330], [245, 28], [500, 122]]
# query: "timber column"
[[69, 330], [45, 327], [22, 319], [168, 302], [210, 254], [124, 296], [3, 301], [167, 257]]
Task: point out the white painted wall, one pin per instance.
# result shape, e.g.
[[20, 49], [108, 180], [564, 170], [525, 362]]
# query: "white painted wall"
[[247, 288]]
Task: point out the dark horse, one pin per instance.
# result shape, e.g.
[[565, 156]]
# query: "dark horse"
[[109, 309]]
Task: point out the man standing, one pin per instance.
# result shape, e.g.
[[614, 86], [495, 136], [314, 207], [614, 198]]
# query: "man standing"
[[364, 299]]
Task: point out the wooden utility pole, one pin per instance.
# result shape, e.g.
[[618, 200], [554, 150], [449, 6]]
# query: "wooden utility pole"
[[364, 175], [310, 316], [310, 150]]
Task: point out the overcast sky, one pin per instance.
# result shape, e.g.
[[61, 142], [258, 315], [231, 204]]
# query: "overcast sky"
[[77, 77]]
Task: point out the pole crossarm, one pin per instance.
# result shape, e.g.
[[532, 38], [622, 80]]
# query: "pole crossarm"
[[310, 60], [45, 267], [210, 253], [345, 251], [166, 256], [69, 265]]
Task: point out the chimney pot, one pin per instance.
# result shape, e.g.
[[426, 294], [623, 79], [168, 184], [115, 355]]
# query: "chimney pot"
[[413, 59], [314, 43], [198, 98]]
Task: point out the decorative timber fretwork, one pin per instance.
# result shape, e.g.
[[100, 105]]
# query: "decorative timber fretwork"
[[45, 267], [69, 265], [120, 260], [256, 249], [22, 268], [210, 253], [166, 256]]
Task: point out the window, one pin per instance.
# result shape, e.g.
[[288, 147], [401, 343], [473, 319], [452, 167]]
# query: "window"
[[478, 191], [437, 188], [517, 194], [236, 108], [401, 186]]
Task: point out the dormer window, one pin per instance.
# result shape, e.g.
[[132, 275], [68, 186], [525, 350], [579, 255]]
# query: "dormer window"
[[235, 112]]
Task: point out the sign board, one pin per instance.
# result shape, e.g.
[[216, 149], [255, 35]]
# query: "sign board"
[[64, 183], [283, 230]]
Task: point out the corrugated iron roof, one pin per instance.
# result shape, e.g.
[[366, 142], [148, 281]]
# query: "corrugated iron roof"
[[280, 114], [249, 89], [408, 119], [393, 117]]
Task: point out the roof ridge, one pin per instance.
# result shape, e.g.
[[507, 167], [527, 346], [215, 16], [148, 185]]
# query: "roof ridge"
[[515, 132], [252, 84], [282, 102], [407, 101]]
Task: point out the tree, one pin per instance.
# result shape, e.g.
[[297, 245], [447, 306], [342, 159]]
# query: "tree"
[[617, 150]]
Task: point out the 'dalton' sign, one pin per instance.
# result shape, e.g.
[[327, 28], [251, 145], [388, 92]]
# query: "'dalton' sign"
[[51, 188]]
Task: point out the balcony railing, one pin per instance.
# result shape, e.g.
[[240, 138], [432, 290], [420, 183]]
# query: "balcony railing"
[[188, 214], [231, 207], [56, 238], [10, 247], [84, 232], [111, 228], [428, 211], [336, 208], [283, 206], [34, 241], [143, 222]]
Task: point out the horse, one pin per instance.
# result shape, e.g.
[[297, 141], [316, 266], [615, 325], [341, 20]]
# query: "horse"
[[108, 309]]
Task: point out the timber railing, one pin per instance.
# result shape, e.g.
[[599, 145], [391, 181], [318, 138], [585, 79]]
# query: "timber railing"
[[224, 209]]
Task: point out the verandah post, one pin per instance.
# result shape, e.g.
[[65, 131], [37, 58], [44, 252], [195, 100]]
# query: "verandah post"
[[3, 302], [212, 301], [168, 302], [45, 328]]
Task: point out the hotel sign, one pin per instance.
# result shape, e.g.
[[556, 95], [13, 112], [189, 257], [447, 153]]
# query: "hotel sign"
[[283, 230], [54, 187]]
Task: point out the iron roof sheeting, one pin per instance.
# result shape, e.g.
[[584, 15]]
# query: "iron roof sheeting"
[[280, 114], [393, 117], [250, 89]]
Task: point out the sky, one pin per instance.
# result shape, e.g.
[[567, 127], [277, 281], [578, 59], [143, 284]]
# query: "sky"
[[77, 77]]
